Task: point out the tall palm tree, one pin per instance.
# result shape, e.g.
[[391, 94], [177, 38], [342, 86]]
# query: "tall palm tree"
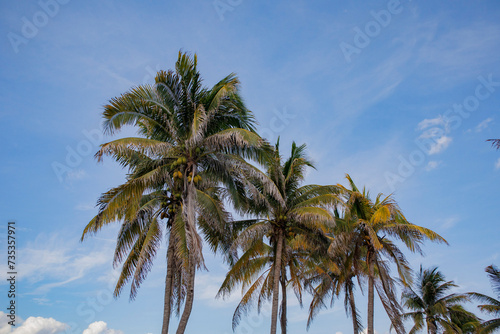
[[272, 244], [192, 139], [371, 225], [491, 305], [431, 306]]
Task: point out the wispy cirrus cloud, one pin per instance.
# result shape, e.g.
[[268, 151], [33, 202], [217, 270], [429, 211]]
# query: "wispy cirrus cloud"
[[483, 125], [431, 123], [50, 262], [452, 56], [448, 223]]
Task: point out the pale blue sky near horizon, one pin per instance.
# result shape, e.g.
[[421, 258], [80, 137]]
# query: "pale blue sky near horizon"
[[401, 95]]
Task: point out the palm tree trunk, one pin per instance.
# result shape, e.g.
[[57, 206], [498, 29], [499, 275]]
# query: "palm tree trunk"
[[168, 286], [189, 296], [354, 317], [276, 285], [194, 246], [283, 303], [370, 293], [431, 327]]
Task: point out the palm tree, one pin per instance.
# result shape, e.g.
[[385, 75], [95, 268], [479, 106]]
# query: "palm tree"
[[491, 305], [273, 244], [371, 225], [192, 139], [430, 306]]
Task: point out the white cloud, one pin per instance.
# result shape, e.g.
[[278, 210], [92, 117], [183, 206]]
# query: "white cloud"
[[497, 164], [100, 327], [435, 133], [432, 122], [5, 328], [440, 145], [32, 325], [40, 325], [432, 133]]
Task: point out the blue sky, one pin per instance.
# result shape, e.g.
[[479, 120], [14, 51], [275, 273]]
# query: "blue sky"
[[400, 95]]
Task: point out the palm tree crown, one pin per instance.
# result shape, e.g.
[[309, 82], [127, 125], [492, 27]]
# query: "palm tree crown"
[[490, 305], [432, 306], [193, 140], [273, 244], [369, 227]]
